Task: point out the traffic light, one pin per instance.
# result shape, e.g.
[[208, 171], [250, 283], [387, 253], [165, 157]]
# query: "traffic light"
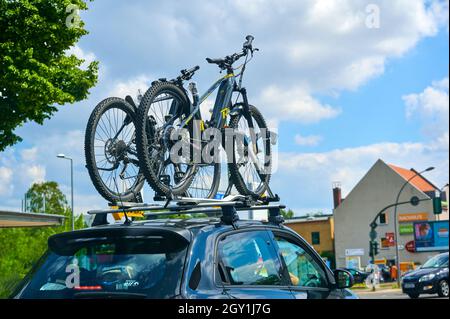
[[437, 205], [373, 249]]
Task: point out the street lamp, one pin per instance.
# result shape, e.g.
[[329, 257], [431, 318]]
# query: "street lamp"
[[397, 259], [71, 184]]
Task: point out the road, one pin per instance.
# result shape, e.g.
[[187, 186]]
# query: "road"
[[390, 294]]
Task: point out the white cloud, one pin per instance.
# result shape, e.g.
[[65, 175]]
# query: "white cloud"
[[33, 174], [6, 186], [311, 140], [434, 100], [294, 104], [431, 108], [131, 87], [29, 154]]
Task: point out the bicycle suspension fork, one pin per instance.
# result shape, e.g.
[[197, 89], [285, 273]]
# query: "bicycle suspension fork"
[[248, 117]]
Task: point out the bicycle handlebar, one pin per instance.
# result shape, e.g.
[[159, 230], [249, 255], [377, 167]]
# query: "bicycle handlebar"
[[228, 61], [187, 74]]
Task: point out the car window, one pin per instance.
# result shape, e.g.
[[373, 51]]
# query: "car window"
[[352, 271], [150, 267], [439, 261], [304, 270], [248, 258]]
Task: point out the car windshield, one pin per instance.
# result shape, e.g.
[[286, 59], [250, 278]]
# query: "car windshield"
[[135, 267], [438, 261]]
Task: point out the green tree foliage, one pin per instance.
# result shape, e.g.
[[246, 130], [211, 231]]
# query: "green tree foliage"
[[35, 70], [22, 247], [287, 214]]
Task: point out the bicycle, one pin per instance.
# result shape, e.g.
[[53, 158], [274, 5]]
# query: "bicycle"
[[166, 110]]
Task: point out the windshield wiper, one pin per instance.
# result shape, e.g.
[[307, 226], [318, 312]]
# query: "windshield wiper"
[[108, 295]]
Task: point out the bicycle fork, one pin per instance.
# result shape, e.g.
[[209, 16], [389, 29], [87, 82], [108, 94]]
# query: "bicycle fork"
[[248, 117]]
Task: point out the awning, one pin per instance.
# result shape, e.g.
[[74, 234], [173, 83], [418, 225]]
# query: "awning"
[[19, 219]]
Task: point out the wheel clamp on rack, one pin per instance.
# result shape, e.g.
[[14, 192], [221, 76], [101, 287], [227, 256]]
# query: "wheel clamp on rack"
[[225, 208]]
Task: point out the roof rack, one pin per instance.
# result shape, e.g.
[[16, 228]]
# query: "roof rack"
[[225, 208]]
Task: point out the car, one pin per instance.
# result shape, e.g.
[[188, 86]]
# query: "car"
[[430, 278], [194, 258], [358, 276]]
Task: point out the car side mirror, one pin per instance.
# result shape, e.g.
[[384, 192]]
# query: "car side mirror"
[[344, 279]]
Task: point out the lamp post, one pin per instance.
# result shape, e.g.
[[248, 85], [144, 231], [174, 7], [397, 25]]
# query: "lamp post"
[[71, 185], [397, 259]]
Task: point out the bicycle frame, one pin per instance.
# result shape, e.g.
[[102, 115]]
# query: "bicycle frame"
[[226, 85]]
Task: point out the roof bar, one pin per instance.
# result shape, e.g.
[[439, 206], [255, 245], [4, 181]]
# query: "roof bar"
[[152, 207]]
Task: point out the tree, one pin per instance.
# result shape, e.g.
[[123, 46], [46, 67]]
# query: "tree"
[[22, 247], [287, 214], [36, 71]]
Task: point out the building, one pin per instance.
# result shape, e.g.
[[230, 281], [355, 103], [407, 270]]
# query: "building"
[[376, 190], [318, 231]]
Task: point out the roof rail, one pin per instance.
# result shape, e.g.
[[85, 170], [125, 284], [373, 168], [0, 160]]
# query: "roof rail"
[[225, 208]]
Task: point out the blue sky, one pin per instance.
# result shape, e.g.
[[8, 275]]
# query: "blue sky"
[[341, 94]]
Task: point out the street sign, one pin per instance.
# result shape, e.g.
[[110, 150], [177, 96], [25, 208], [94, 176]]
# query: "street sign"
[[411, 246]]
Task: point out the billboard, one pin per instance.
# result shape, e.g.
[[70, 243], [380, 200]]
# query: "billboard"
[[431, 236], [406, 229]]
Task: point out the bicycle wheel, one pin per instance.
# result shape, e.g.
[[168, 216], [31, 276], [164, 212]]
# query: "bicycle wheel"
[[110, 151], [250, 175], [206, 181], [158, 116]]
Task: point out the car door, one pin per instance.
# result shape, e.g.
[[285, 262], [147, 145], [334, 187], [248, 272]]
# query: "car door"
[[248, 266], [304, 268]]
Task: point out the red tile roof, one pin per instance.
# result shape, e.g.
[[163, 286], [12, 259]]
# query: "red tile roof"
[[419, 182]]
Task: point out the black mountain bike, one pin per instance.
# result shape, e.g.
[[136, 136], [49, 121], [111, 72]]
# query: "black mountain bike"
[[166, 110]]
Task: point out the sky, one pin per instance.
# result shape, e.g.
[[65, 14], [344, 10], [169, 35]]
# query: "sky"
[[343, 82]]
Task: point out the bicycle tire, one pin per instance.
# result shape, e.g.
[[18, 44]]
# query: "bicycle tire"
[[143, 144], [235, 176], [109, 194]]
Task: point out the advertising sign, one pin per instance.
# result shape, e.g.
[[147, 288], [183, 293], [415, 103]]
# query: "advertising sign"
[[354, 252], [412, 217], [406, 229], [390, 237], [384, 242], [431, 236], [353, 262]]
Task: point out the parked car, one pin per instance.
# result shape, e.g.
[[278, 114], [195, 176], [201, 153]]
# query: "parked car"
[[358, 276], [184, 258], [430, 278]]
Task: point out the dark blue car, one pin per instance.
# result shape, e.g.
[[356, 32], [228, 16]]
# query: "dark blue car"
[[184, 258], [431, 278]]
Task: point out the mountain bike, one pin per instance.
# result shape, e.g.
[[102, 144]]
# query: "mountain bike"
[[167, 110], [110, 150]]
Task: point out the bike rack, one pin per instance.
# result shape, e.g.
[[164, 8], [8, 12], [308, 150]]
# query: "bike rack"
[[226, 209]]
